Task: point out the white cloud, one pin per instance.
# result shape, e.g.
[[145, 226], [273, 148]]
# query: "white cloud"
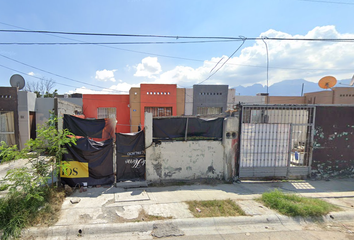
[[31, 73], [149, 67], [120, 88], [287, 60], [105, 75], [310, 60]]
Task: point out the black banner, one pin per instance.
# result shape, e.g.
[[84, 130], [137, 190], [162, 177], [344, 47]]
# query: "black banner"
[[169, 128], [172, 128], [130, 156], [211, 128], [89, 161], [84, 127]]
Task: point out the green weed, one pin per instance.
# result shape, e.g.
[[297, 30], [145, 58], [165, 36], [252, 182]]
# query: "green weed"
[[294, 205]]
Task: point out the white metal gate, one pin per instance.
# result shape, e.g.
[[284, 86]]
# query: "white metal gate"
[[275, 141]]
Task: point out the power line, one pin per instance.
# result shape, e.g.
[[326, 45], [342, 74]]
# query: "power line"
[[110, 43], [169, 56], [54, 74], [243, 42], [35, 76], [179, 37]]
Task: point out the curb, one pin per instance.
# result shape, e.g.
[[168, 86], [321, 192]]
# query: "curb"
[[187, 223]]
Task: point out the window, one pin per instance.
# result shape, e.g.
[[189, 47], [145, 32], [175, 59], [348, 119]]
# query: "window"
[[7, 128], [106, 113], [159, 111], [209, 110]]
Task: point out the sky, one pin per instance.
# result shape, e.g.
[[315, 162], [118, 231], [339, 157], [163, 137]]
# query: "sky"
[[115, 68]]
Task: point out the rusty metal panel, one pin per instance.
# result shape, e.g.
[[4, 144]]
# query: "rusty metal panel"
[[333, 152]]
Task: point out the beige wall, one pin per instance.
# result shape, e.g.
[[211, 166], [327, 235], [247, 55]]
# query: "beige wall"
[[134, 99], [180, 101], [338, 95], [343, 95], [286, 100], [323, 97]]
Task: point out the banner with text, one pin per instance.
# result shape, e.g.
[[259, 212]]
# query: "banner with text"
[[88, 161], [130, 156]]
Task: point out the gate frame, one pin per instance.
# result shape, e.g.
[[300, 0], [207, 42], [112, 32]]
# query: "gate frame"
[[309, 138]]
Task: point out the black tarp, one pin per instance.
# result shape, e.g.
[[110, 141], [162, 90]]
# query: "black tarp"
[[130, 156], [212, 128], [84, 127], [98, 156], [171, 128]]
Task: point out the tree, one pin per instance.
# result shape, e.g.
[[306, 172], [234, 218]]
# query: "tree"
[[29, 191], [42, 88]]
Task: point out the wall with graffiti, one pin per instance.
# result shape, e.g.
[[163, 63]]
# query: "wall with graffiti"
[[333, 148]]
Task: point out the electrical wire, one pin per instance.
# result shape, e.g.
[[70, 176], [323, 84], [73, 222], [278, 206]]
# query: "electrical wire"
[[54, 74], [110, 43], [173, 57], [243, 42], [179, 37]]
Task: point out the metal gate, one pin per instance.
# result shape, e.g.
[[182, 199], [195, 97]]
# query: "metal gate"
[[275, 140]]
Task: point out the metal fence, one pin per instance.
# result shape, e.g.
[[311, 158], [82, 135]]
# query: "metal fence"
[[275, 140]]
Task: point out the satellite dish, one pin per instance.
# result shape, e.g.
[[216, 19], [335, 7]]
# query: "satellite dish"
[[327, 82], [352, 81], [18, 81]]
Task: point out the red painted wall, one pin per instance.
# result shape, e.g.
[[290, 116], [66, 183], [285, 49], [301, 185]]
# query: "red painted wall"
[[93, 101], [150, 96]]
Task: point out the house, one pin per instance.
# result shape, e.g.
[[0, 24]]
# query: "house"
[[9, 127]]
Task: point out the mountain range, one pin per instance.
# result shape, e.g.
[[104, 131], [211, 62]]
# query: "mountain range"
[[286, 88]]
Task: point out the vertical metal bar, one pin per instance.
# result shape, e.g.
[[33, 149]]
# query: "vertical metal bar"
[[312, 138], [289, 150], [186, 131]]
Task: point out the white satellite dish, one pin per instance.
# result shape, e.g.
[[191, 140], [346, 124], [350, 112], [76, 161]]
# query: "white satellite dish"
[[352, 81], [18, 81]]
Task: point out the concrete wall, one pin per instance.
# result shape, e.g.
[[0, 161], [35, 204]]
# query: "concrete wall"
[[134, 104], [26, 104], [250, 99], [43, 106], [343, 95], [187, 160], [188, 109], [338, 95], [286, 100], [231, 98], [62, 106], [180, 101], [210, 96], [230, 143], [76, 101], [323, 97]]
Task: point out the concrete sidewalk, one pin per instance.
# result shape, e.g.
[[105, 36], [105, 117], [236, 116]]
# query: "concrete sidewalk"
[[112, 210]]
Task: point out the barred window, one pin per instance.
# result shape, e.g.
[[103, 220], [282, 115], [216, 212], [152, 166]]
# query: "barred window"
[[209, 110], [106, 113], [159, 111]]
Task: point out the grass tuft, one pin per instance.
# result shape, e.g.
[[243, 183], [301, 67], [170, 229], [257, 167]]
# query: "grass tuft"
[[294, 205], [18, 211], [4, 187], [215, 208]]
